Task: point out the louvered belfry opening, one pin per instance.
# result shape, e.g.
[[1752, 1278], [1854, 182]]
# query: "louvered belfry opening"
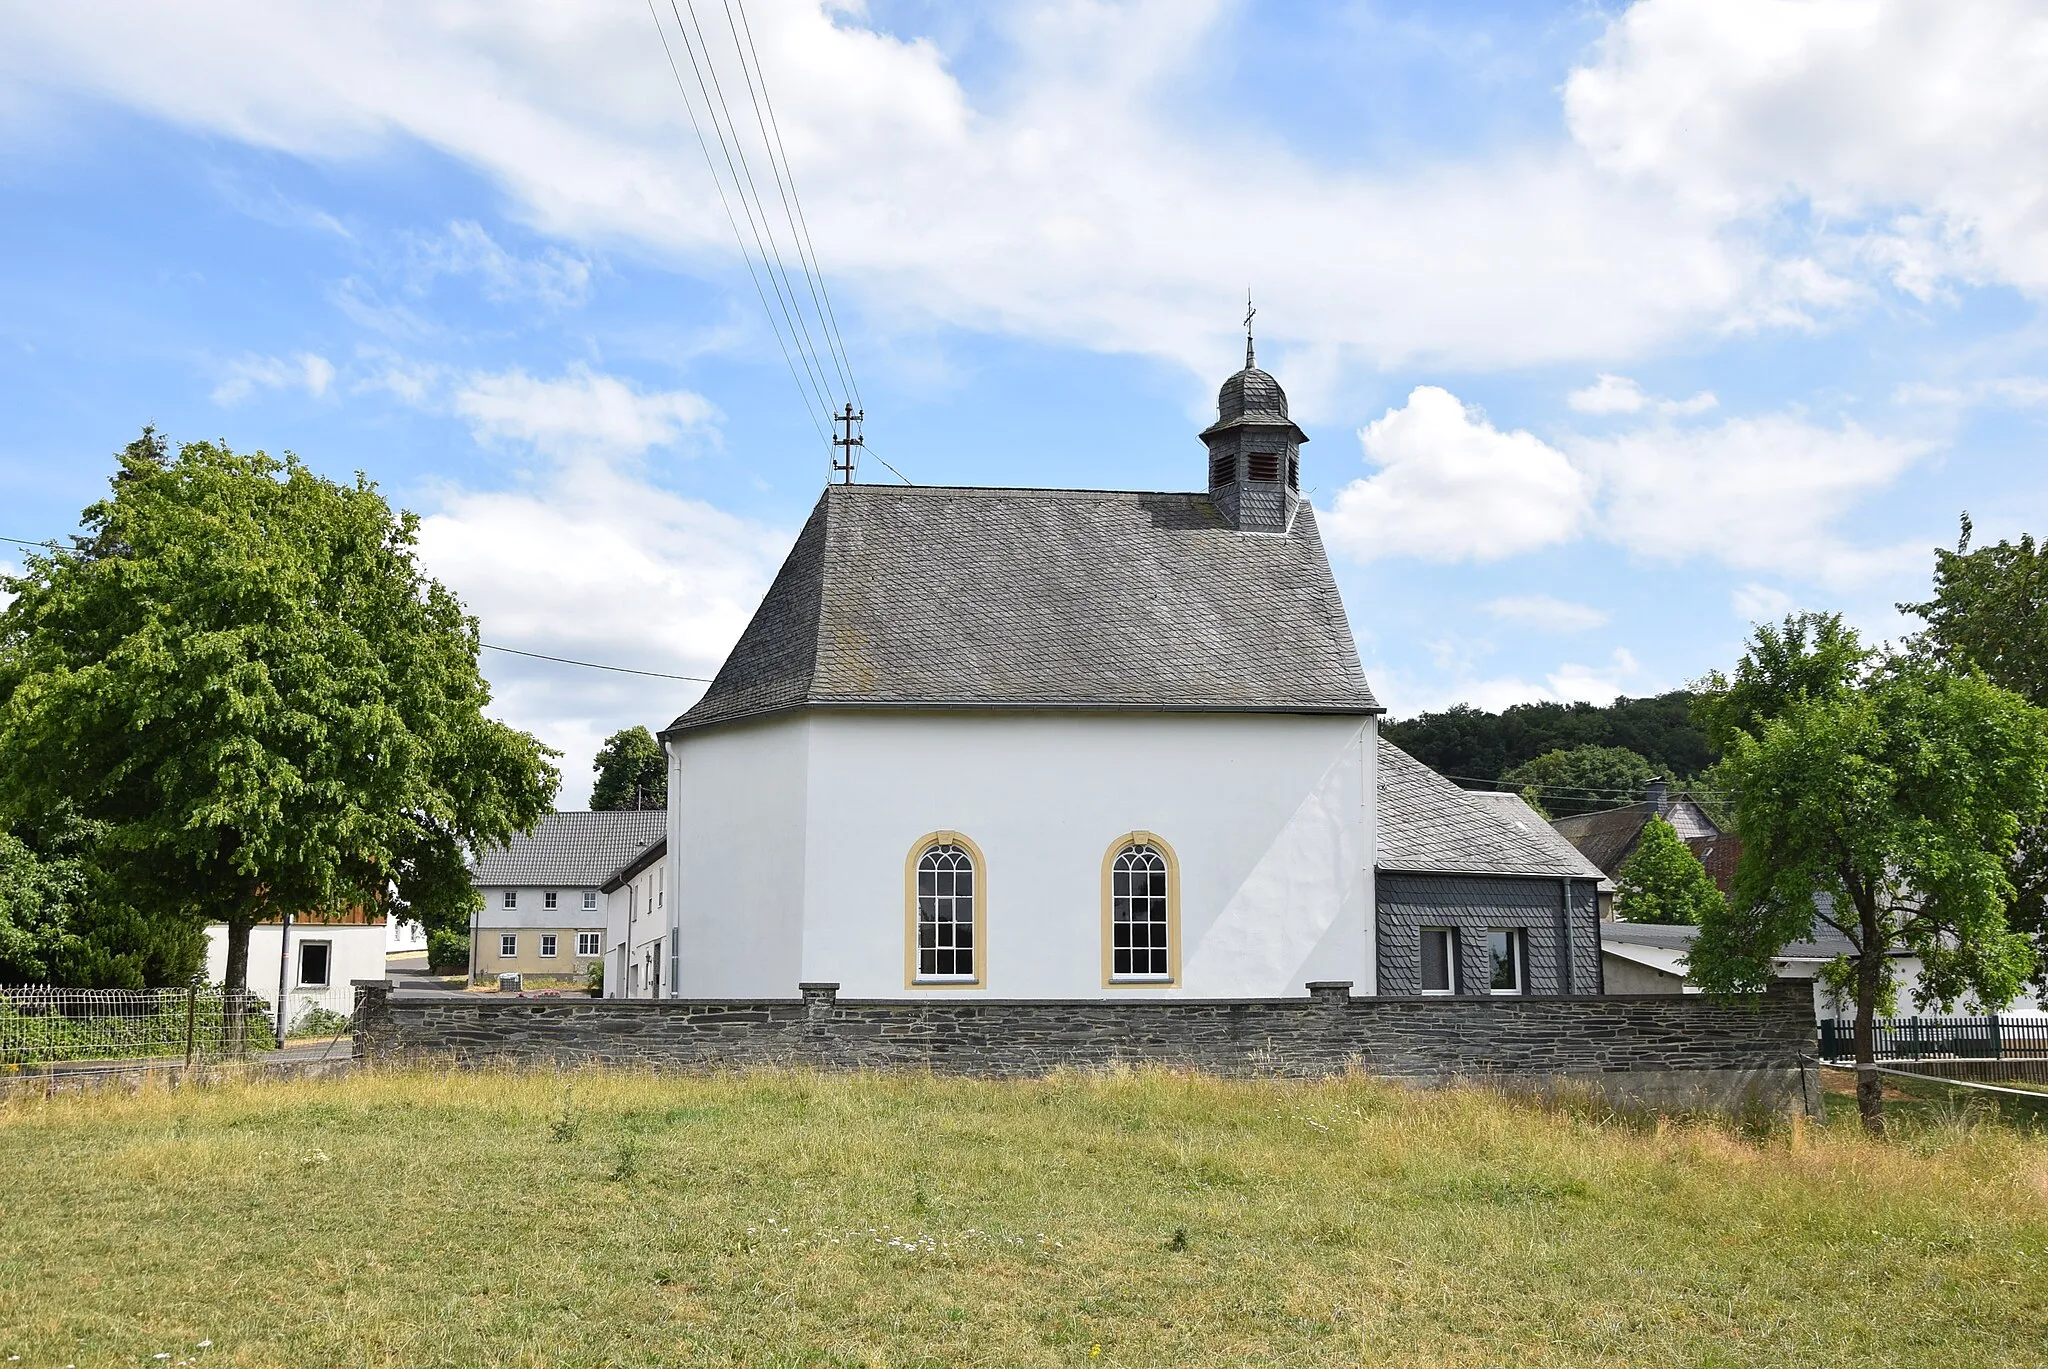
[[1254, 453]]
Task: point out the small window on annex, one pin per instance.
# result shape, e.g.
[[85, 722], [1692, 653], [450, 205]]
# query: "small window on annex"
[[547, 945], [1140, 915], [1505, 944], [316, 964], [1439, 960], [946, 893], [508, 944], [587, 943]]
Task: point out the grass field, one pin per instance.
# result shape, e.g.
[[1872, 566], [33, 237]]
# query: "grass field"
[[1147, 1218]]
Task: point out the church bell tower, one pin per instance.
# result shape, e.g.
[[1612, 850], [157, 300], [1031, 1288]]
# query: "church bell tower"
[[1254, 450]]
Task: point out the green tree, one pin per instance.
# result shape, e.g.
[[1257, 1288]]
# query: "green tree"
[[632, 772], [1989, 614], [37, 902], [1470, 744], [242, 691], [1584, 779], [1887, 809], [1813, 655], [1663, 881]]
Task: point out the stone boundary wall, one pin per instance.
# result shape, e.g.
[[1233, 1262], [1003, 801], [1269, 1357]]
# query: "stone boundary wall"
[[1657, 1049]]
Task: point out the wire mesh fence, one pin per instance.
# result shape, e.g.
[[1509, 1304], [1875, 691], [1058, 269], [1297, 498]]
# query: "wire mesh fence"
[[41, 1025]]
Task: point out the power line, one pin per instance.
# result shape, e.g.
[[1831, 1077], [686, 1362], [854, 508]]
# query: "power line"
[[730, 218], [757, 215], [801, 229], [592, 665]]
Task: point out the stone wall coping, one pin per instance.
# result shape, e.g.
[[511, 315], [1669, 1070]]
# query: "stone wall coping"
[[1782, 989]]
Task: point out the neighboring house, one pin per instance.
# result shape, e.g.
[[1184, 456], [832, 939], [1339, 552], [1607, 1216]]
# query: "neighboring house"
[[1514, 810], [1044, 743], [405, 937], [543, 911], [641, 941], [1608, 838], [319, 960], [1644, 957]]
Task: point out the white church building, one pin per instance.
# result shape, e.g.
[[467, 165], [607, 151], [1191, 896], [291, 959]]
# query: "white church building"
[[1072, 744]]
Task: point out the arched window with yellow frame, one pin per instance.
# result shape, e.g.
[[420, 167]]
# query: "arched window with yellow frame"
[[945, 898], [1140, 913]]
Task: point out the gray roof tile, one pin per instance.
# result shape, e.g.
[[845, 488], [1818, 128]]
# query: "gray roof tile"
[[951, 596], [1429, 825], [571, 849]]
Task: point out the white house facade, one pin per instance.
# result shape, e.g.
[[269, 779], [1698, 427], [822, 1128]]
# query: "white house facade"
[[641, 944], [544, 908], [1070, 744]]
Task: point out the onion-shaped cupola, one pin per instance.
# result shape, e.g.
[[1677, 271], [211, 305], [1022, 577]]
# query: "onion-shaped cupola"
[[1254, 452]]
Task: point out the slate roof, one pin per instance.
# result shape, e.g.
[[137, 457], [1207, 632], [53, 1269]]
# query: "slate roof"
[[571, 850], [1826, 945], [1429, 825], [1608, 836], [945, 596]]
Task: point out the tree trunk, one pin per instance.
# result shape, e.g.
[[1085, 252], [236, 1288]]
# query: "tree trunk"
[[1869, 971], [235, 988]]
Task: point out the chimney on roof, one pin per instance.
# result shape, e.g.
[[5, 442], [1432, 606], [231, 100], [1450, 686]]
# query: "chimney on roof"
[[1659, 795]]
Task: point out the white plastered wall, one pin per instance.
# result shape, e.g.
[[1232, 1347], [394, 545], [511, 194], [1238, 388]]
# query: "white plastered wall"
[[356, 952], [735, 865], [1270, 817]]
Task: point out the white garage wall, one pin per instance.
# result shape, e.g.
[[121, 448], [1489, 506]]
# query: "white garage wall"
[[736, 806], [1267, 815]]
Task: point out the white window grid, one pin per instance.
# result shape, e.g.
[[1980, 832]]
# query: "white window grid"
[[548, 943], [589, 899], [1446, 939], [547, 900], [508, 944], [945, 914], [511, 898], [1138, 915], [588, 943], [1504, 945], [326, 961]]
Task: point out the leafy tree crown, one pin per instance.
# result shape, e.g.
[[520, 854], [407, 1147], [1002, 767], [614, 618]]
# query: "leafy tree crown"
[[1663, 881]]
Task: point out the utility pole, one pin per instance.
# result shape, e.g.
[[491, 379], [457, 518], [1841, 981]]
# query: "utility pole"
[[843, 457]]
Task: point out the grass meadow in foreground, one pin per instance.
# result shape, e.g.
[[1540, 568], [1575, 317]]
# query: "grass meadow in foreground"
[[606, 1217]]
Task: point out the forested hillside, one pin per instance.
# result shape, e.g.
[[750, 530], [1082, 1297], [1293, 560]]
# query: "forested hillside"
[[1470, 744]]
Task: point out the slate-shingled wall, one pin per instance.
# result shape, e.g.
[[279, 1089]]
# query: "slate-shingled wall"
[[1658, 1049], [1563, 937]]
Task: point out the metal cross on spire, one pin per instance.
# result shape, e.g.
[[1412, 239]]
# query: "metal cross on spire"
[[1249, 314]]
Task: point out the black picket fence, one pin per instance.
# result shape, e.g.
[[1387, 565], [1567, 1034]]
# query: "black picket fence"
[[1922, 1038]]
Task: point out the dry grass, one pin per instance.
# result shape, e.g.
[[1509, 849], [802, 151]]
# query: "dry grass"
[[613, 1218]]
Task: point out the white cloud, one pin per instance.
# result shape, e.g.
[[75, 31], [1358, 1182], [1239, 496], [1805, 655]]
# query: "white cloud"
[[1570, 682], [1548, 613], [1754, 603], [583, 411], [592, 561], [1087, 203], [302, 371], [552, 277], [1573, 683], [1451, 486], [1915, 132], [2021, 392], [1610, 394], [1755, 493]]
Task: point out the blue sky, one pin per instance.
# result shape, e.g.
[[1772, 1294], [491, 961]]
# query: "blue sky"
[[1614, 328]]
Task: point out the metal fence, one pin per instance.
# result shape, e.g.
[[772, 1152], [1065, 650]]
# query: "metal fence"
[[42, 1025], [1927, 1038]]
